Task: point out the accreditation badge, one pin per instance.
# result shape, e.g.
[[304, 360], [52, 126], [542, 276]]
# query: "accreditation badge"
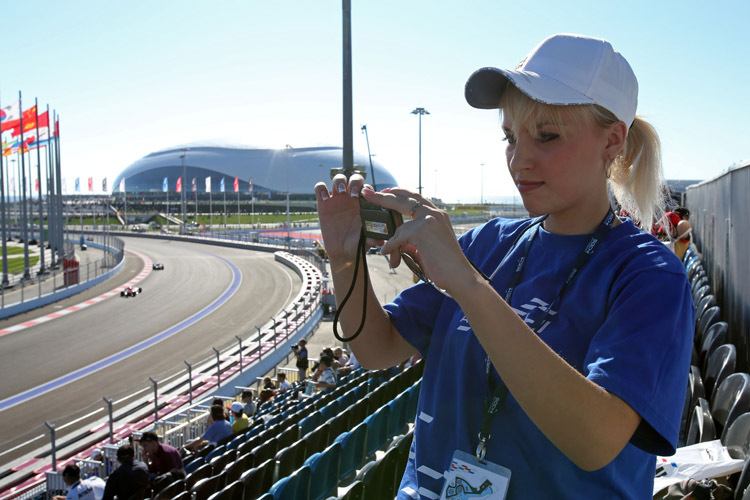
[[468, 477]]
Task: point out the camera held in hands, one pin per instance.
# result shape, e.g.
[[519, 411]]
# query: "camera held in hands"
[[378, 222], [295, 347]]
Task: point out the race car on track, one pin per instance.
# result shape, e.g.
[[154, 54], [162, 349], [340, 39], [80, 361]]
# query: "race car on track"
[[130, 291], [158, 266]]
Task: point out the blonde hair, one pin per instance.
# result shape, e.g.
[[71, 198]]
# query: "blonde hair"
[[635, 176]]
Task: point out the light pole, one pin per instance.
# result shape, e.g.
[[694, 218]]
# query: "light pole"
[[369, 155], [288, 240], [420, 112], [182, 189]]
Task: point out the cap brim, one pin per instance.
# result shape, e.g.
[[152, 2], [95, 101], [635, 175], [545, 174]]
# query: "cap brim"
[[486, 86]]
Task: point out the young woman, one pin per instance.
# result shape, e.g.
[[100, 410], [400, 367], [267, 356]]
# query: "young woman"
[[556, 348]]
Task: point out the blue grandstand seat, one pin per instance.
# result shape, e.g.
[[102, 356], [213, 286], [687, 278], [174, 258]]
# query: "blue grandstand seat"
[[218, 463], [265, 451], [731, 399], [294, 487], [411, 407], [330, 410], [377, 430], [237, 441], [324, 467], [397, 417], [309, 423], [193, 477], [380, 475], [357, 491], [218, 451], [195, 464], [288, 436], [715, 336], [709, 317], [318, 439], [720, 365], [340, 423], [258, 480], [352, 450], [289, 459]]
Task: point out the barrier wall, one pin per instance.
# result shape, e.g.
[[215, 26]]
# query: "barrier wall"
[[720, 216]]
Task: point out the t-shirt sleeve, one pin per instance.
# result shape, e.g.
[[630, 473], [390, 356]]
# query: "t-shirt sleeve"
[[642, 353]]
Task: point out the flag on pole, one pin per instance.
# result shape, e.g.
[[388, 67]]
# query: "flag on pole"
[[236, 184], [179, 184], [194, 187], [91, 184], [165, 185], [221, 185], [29, 121], [122, 181], [10, 116], [78, 184], [208, 184], [104, 184], [250, 185], [36, 185]]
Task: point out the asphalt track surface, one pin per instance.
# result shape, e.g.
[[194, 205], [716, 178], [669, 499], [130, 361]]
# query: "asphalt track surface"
[[194, 276]]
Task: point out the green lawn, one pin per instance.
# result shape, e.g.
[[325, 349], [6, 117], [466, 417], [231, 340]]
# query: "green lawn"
[[15, 265]]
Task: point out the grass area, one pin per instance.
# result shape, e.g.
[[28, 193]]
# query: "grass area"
[[14, 250], [15, 265]]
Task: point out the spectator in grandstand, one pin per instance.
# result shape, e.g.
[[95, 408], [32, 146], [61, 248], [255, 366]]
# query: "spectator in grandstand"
[[682, 232], [164, 461], [268, 384], [80, 489], [340, 357], [130, 480], [218, 430], [265, 396], [569, 357], [302, 363], [325, 377], [247, 399], [351, 364], [240, 421], [220, 402], [284, 384]]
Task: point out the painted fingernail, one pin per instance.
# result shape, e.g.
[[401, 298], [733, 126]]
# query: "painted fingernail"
[[355, 191], [341, 188], [324, 196], [368, 189]]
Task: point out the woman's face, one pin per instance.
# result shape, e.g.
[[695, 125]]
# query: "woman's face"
[[562, 177]]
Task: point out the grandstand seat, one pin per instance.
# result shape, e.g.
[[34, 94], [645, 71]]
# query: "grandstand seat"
[[232, 491], [310, 422], [324, 467], [289, 459], [318, 439], [699, 273], [360, 410], [708, 301], [265, 451], [715, 336], [694, 391], [377, 430], [235, 469], [288, 436], [378, 397], [397, 414], [205, 488], [171, 490], [330, 410], [185, 495], [720, 365], [403, 445], [709, 317], [340, 423], [357, 491], [701, 427], [701, 292], [194, 464], [741, 490], [219, 450], [237, 441], [258, 480], [352, 450], [220, 462], [737, 437], [201, 473], [294, 487], [732, 399], [380, 476]]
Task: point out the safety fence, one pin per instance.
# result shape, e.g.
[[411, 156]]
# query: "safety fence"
[[719, 214]]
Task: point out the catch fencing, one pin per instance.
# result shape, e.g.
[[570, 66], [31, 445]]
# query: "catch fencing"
[[720, 217]]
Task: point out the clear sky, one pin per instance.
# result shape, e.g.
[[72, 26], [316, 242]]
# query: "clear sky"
[[129, 78]]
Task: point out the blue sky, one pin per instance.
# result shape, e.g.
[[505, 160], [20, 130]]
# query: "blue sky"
[[129, 78]]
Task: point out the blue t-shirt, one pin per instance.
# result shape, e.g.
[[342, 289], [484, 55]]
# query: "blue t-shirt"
[[626, 323], [217, 431]]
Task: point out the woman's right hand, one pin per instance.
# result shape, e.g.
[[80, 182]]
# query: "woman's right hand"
[[338, 210]]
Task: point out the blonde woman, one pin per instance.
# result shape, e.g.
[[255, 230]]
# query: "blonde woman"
[[557, 348]]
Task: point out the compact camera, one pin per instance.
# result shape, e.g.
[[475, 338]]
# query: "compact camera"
[[379, 223], [295, 347]]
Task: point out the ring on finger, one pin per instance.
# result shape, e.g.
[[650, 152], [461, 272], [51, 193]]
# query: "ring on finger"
[[414, 208]]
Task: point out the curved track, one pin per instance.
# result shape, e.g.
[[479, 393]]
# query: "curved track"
[[194, 277]]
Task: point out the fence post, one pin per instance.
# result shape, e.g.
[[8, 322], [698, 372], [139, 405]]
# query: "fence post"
[[54, 449], [273, 326], [156, 402], [286, 317], [111, 420], [240, 341], [218, 366], [260, 343], [190, 382]]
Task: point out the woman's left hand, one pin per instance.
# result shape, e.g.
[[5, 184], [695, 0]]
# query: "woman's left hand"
[[428, 238]]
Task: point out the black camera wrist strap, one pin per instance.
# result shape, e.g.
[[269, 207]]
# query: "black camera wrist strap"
[[361, 255]]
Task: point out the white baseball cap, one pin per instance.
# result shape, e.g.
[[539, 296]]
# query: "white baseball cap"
[[564, 69], [237, 407]]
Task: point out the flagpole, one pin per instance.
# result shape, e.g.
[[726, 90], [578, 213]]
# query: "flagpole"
[[42, 268], [58, 181], [51, 213], [238, 206], [224, 191], [3, 177], [24, 212], [210, 208]]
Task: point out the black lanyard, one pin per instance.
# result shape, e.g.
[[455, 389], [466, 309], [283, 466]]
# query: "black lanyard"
[[492, 404]]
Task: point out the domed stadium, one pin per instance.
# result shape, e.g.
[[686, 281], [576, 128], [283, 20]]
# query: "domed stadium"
[[272, 171]]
